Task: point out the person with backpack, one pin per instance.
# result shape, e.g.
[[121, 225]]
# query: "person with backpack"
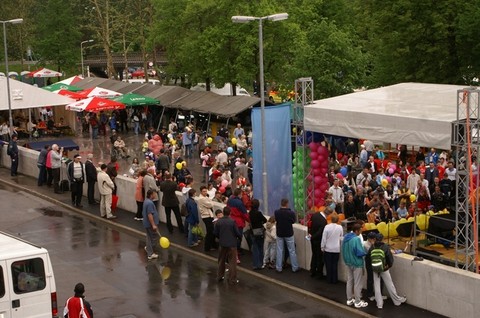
[[353, 253], [381, 259]]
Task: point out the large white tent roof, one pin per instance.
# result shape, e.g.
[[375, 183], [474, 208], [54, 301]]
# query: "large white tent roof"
[[25, 96], [407, 113]]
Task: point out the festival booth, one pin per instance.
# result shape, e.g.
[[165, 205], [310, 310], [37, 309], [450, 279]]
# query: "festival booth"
[[413, 114]]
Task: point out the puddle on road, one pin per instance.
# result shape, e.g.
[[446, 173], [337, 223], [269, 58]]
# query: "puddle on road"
[[50, 211]]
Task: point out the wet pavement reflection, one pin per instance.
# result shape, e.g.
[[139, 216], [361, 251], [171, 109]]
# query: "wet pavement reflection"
[[121, 282]]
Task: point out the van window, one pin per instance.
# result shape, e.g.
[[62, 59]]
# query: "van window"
[[28, 275], [2, 283]]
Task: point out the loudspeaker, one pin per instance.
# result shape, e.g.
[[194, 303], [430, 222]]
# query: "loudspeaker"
[[405, 229]]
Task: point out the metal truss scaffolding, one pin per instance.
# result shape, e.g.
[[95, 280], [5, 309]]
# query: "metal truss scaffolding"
[[466, 144]]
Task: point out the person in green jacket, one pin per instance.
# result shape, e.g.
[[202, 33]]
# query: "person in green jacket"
[[353, 253]]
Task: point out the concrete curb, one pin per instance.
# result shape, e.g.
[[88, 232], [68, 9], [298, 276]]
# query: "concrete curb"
[[139, 234]]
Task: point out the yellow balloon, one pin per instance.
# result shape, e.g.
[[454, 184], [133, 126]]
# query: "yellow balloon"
[[384, 183], [174, 142], [392, 230], [294, 130], [166, 272], [422, 222], [413, 198], [164, 242], [171, 140], [178, 165], [382, 228], [234, 141], [209, 140]]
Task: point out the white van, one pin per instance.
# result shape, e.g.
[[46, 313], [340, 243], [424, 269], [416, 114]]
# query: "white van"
[[27, 283]]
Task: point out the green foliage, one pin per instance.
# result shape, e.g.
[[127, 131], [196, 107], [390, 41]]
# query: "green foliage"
[[57, 38]]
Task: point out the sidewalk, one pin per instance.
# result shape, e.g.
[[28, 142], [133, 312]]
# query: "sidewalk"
[[300, 282]]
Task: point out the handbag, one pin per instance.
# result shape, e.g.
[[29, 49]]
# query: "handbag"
[[114, 203], [197, 230], [258, 232]]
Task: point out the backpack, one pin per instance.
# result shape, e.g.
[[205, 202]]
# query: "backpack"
[[377, 260]]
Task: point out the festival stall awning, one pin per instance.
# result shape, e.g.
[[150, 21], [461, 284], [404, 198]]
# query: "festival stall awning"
[[94, 104], [99, 92], [406, 113], [73, 95], [72, 80], [45, 72], [59, 86], [24, 96], [132, 99]]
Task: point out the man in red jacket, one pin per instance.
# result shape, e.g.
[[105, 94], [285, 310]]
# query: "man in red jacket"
[[77, 306]]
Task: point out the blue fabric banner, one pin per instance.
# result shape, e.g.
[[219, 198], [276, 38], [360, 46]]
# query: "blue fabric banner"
[[279, 156]]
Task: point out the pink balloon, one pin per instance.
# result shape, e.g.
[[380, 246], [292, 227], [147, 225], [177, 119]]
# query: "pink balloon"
[[324, 187], [315, 164], [313, 155], [224, 183], [309, 178], [389, 179], [310, 188], [317, 172], [318, 193], [323, 171], [391, 170], [222, 189], [313, 146], [339, 176], [324, 164], [321, 158], [317, 180], [309, 203], [322, 151], [393, 166]]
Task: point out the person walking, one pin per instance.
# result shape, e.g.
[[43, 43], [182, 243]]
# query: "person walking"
[[12, 151], [285, 218], [257, 220], [170, 202], [76, 175], [192, 218], [150, 223], [76, 306], [105, 187], [56, 162], [48, 166], [228, 234], [205, 206], [331, 238], [353, 253], [42, 166], [91, 174], [149, 183], [383, 273], [162, 164], [317, 225], [140, 195]]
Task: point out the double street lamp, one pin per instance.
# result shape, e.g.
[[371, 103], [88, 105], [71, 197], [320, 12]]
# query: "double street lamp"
[[13, 21], [247, 19], [81, 53]]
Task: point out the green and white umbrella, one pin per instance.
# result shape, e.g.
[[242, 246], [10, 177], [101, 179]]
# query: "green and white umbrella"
[[132, 99], [58, 86]]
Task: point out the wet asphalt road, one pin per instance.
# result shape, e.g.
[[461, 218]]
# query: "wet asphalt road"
[[121, 282]]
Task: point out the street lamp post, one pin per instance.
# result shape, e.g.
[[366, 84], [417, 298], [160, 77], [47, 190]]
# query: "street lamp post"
[[9, 100], [247, 19], [81, 53]]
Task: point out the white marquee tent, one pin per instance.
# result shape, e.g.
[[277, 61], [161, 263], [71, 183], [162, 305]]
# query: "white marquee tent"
[[406, 113], [25, 96]]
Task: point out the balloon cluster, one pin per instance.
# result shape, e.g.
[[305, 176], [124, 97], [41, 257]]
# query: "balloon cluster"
[[298, 178], [318, 180]]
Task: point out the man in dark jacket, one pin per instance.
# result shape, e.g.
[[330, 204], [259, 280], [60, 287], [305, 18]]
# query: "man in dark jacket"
[[76, 175], [42, 166], [285, 218], [91, 173], [227, 233], [170, 202], [385, 275], [12, 151], [163, 162], [318, 223]]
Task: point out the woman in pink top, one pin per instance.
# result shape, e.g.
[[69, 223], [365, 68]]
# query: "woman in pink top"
[[48, 165], [140, 195]]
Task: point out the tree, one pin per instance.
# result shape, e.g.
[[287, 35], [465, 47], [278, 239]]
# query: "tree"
[[57, 37]]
